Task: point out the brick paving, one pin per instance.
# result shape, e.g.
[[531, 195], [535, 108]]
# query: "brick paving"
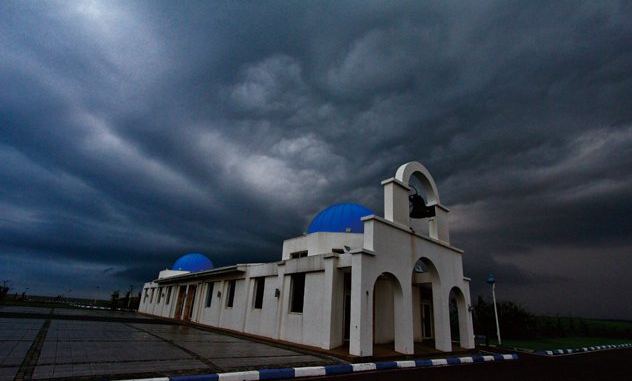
[[114, 349]]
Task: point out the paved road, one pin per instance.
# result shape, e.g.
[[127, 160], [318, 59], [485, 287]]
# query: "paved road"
[[594, 366]]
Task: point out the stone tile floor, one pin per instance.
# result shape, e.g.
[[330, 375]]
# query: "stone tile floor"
[[16, 337], [96, 349], [228, 352]]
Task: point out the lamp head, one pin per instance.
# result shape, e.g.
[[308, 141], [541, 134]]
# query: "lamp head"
[[491, 279]]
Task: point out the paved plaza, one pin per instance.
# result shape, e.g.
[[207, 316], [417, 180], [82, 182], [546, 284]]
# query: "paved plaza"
[[50, 348]]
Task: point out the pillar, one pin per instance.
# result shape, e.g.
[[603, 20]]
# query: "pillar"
[[466, 327], [361, 332], [396, 201], [331, 334], [441, 312], [404, 337]]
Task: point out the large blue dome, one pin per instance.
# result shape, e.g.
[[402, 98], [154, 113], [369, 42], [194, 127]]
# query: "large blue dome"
[[340, 218], [193, 262]]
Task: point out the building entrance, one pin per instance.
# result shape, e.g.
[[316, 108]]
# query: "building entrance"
[[426, 320], [180, 303], [188, 308]]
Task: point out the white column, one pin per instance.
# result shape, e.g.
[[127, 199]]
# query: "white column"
[[404, 337], [248, 289], [281, 301], [396, 201], [200, 301], [361, 333], [441, 312], [331, 286], [438, 225], [466, 327], [142, 307]]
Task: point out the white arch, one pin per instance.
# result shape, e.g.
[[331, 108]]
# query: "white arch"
[[465, 326], [407, 170]]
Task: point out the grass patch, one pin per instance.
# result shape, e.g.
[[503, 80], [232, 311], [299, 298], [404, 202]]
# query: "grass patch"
[[577, 324], [558, 342]]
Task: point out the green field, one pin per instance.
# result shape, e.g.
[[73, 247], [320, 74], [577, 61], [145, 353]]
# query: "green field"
[[570, 323], [554, 327]]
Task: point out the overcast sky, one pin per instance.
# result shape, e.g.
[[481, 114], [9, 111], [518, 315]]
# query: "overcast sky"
[[134, 132]]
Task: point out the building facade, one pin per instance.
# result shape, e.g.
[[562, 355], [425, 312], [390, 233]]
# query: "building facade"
[[353, 279]]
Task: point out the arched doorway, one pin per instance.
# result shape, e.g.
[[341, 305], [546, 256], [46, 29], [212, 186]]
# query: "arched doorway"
[[458, 317], [387, 293], [424, 280], [454, 318]]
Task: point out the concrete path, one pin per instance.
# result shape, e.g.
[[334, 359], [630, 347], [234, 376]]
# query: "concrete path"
[[49, 348]]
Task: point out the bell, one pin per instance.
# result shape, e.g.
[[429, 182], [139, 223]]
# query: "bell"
[[419, 207]]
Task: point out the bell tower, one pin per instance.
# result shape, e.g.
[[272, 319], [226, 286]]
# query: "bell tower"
[[397, 201]]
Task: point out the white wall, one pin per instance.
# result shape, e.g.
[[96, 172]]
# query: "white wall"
[[306, 327], [263, 321], [320, 243], [384, 310], [166, 273], [233, 317]]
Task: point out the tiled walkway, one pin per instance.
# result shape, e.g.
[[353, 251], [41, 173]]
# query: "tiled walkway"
[[76, 348], [16, 337], [227, 352]]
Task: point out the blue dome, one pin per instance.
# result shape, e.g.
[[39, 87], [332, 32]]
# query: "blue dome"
[[193, 262], [338, 218]]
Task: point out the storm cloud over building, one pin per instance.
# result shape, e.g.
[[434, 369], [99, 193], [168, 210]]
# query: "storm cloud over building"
[[132, 133]]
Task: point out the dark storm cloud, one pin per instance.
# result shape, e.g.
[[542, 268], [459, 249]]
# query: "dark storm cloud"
[[132, 133]]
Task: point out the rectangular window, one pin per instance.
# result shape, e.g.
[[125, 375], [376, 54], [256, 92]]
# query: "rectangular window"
[[159, 294], [209, 293], [297, 290], [260, 284], [146, 295], [151, 298], [231, 293], [168, 295], [298, 254]]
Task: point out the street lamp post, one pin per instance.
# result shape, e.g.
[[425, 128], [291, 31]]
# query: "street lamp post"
[[491, 279]]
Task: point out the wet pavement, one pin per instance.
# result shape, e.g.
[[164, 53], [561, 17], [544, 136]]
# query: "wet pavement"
[[49, 348]]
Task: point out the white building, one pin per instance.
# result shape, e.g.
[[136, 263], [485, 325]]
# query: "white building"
[[349, 280]]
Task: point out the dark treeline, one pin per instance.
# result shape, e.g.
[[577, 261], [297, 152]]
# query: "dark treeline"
[[518, 323]]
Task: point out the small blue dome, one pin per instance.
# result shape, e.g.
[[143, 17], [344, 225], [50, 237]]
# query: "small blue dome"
[[338, 218], [193, 262]]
